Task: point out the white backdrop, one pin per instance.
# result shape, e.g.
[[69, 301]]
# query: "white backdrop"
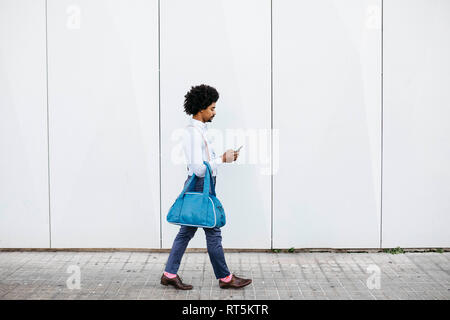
[[233, 56], [24, 210], [327, 94], [341, 106], [416, 170], [103, 122]]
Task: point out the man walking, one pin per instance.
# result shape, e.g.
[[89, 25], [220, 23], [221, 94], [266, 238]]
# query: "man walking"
[[200, 102]]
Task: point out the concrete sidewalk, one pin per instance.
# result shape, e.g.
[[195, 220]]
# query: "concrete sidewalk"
[[136, 275]]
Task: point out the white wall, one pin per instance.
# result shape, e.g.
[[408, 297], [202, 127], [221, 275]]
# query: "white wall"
[[416, 171], [231, 54], [359, 160], [103, 106], [327, 93], [24, 214]]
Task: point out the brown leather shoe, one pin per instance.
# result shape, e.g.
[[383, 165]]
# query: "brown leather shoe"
[[235, 283], [176, 282]]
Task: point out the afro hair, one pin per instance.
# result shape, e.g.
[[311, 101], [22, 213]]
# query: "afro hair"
[[199, 98]]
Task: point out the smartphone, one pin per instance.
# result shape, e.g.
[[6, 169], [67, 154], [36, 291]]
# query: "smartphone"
[[239, 149]]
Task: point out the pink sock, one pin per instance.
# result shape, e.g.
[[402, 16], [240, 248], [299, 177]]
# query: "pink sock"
[[170, 275], [227, 278]]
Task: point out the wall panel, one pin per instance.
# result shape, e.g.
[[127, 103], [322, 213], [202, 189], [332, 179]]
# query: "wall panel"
[[225, 44], [103, 84], [416, 174], [24, 217], [327, 108]]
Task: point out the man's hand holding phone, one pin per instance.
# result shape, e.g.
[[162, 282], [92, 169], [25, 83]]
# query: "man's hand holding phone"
[[231, 155], [236, 153]]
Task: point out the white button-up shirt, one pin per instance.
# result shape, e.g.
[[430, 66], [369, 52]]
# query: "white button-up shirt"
[[195, 150]]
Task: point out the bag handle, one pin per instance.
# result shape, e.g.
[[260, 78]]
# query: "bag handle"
[[188, 184], [208, 181], [206, 185]]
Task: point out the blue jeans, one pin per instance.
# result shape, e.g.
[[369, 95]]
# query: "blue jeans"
[[213, 243]]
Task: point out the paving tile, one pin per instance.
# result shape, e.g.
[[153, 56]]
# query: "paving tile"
[[136, 275]]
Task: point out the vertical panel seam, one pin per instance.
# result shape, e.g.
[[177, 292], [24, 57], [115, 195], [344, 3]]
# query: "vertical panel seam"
[[381, 173], [159, 125], [271, 126], [48, 123]]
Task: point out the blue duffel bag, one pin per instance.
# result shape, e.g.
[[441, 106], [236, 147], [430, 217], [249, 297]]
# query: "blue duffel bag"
[[198, 209]]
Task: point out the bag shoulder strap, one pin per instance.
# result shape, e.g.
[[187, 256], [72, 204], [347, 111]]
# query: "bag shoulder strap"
[[206, 144], [208, 181], [187, 186]]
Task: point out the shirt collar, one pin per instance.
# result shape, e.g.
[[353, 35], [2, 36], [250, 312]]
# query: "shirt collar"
[[202, 125]]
